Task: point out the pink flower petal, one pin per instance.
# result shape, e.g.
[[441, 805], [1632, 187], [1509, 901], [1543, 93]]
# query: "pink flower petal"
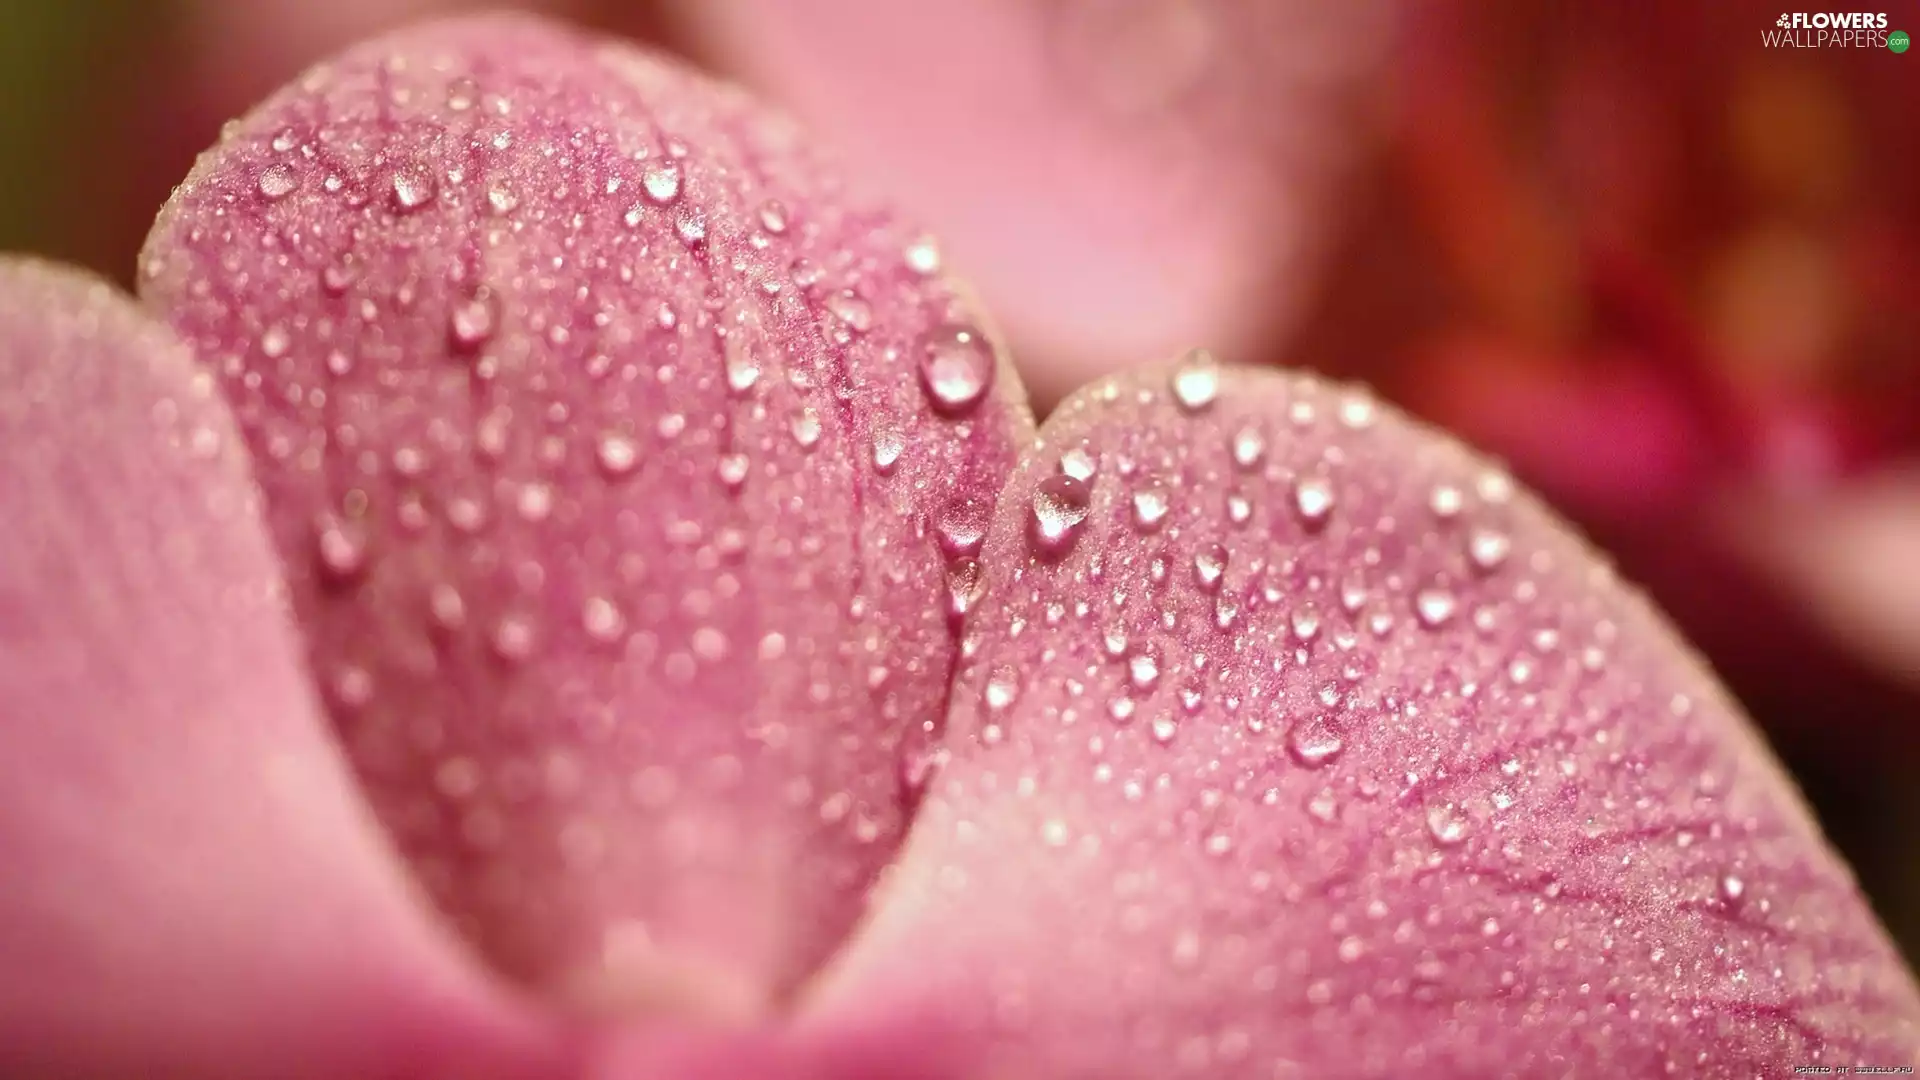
[[191, 887], [1314, 749], [1120, 178], [611, 453]]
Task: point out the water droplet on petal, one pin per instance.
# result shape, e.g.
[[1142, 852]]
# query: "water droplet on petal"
[[887, 448], [341, 547], [1434, 606], [1003, 689], [413, 188], [1357, 410], [1143, 668], [1165, 729], [512, 638], [472, 323], [1150, 506], [923, 256], [1060, 505], [743, 367], [602, 620], [1313, 500], [1488, 548], [1446, 826], [1446, 501], [1313, 743], [956, 368], [1077, 463], [1249, 446], [277, 182], [806, 428], [1732, 888], [773, 216], [1196, 382], [966, 583], [1209, 566], [661, 182], [617, 454]]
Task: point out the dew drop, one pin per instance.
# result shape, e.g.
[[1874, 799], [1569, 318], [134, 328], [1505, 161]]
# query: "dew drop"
[[472, 323], [1210, 566], [512, 638], [1313, 500], [277, 182], [1446, 501], [1249, 446], [1060, 505], [661, 182], [806, 428], [887, 448], [1357, 410], [1446, 826], [618, 454], [1165, 729], [602, 620], [956, 368], [1196, 382], [341, 547], [732, 470], [1434, 606], [1732, 888], [1150, 506], [1003, 689], [1488, 548], [743, 367], [1077, 463], [413, 188], [966, 583], [1143, 669], [773, 216], [923, 256], [1313, 743]]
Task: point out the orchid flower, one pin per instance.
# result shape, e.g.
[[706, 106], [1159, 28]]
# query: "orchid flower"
[[547, 580]]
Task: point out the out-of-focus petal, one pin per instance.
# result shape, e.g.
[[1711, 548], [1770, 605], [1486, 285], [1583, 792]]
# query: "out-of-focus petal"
[[191, 887], [1292, 741], [617, 461], [1850, 555], [1120, 178]]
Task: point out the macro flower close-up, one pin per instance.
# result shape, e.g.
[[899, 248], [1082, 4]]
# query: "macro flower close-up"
[[566, 557]]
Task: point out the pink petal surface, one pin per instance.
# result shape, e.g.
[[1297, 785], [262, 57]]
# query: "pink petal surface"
[[1119, 178], [191, 886], [1292, 741], [616, 459]]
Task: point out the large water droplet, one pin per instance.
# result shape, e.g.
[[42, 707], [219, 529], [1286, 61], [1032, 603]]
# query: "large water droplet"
[[661, 182], [1060, 505], [413, 188], [1314, 743], [1446, 826], [1196, 381], [956, 368], [1434, 606], [277, 182]]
